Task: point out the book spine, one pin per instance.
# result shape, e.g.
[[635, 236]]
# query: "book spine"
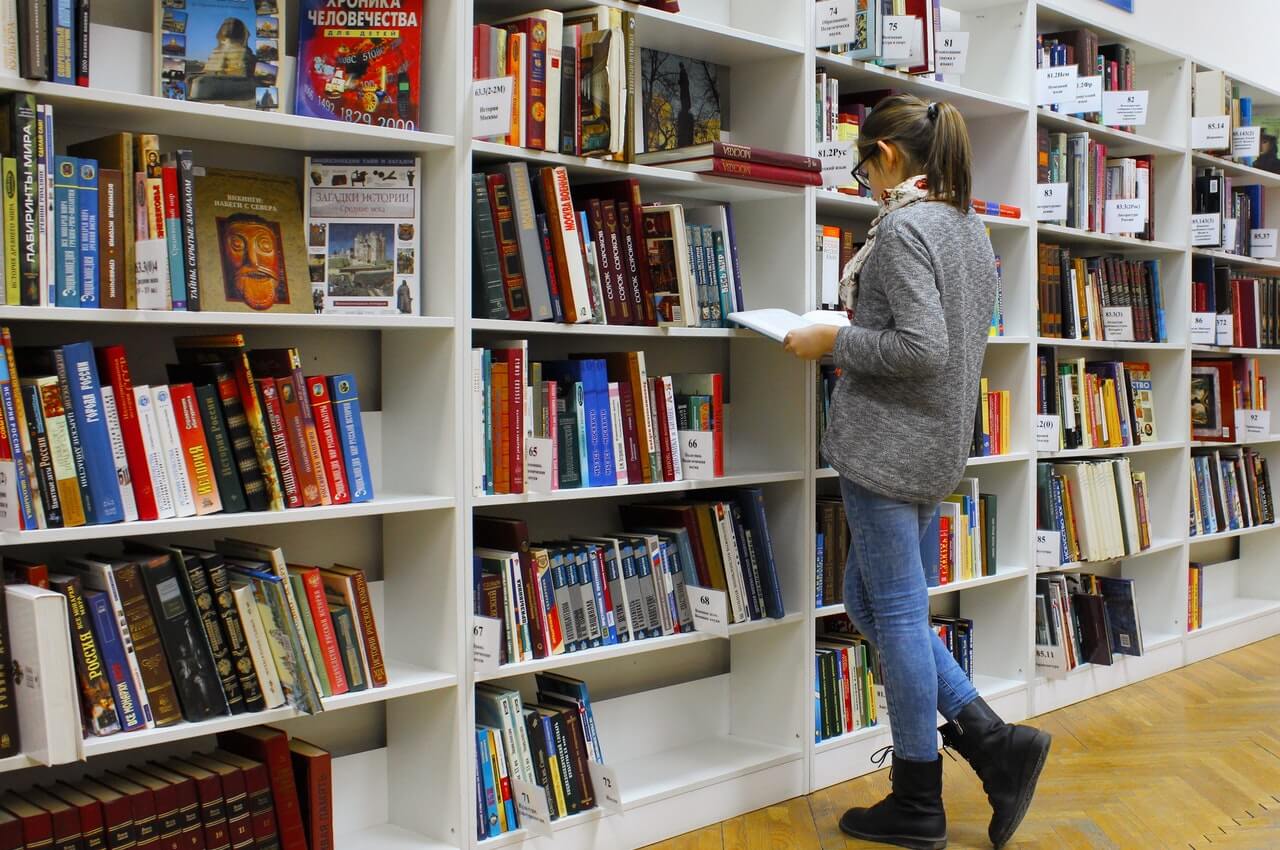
[[207, 608], [33, 39], [105, 504], [87, 232], [171, 448], [525, 223], [369, 630], [487, 282], [62, 29], [187, 225], [304, 471], [242, 443], [509, 261], [197, 683], [25, 147], [565, 240], [260, 436], [9, 186], [46, 477], [118, 457], [32, 515], [97, 706], [111, 268], [82, 45], [261, 807], [327, 434], [66, 225], [311, 435], [329, 651], [274, 416], [152, 666], [272, 750], [315, 781], [170, 212], [153, 453], [222, 456], [115, 662], [346, 408]]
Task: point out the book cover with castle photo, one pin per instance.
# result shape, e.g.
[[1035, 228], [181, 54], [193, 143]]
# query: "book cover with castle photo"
[[219, 51], [363, 221]]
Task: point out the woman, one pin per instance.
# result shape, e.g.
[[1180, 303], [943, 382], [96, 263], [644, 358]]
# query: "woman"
[[902, 418]]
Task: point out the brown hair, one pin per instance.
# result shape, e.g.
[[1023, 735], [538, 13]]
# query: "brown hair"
[[933, 138]]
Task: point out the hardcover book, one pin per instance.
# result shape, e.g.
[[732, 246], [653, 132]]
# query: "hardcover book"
[[363, 217], [358, 62], [249, 241], [685, 101], [219, 51]]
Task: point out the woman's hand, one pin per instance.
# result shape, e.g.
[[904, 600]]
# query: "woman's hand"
[[811, 343]]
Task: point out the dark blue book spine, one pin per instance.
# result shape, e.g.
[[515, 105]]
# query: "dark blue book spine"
[[123, 689], [346, 408], [600, 382], [62, 29], [73, 430], [86, 402], [733, 257], [751, 500], [87, 205], [818, 572], [66, 232]]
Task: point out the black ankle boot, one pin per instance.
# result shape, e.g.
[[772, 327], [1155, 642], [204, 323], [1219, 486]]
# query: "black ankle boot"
[[912, 814], [1007, 758]]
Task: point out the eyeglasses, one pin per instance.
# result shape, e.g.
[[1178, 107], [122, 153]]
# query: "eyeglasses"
[[860, 173]]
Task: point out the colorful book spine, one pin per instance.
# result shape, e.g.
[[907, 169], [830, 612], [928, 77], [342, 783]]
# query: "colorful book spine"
[[153, 452], [19, 444], [123, 687], [86, 406], [327, 433], [346, 409], [172, 207], [87, 242], [195, 449], [119, 458], [187, 210], [66, 190], [113, 365], [62, 30], [171, 448]]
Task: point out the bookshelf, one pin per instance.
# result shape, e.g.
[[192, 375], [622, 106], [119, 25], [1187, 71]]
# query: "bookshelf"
[[698, 728]]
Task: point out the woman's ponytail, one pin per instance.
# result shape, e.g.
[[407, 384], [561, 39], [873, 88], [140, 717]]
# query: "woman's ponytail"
[[934, 139]]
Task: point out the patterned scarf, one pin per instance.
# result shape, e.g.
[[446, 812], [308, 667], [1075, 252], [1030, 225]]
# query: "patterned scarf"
[[909, 191]]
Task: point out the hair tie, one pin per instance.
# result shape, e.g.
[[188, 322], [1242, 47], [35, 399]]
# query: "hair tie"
[[933, 111]]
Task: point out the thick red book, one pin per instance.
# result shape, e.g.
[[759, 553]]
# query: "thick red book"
[[287, 363], [738, 169], [295, 432], [516, 359], [88, 814], [740, 153], [168, 822], [113, 367], [10, 831], [271, 747], [213, 809], [257, 787], [117, 814], [35, 823], [63, 818], [234, 798], [330, 445], [274, 416], [610, 285], [329, 649], [191, 830], [313, 774], [142, 803], [195, 449]]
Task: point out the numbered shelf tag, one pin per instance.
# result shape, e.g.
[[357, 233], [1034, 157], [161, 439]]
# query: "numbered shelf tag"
[[836, 22], [698, 454], [1126, 215], [1051, 660], [531, 806], [1051, 201], [608, 791], [1056, 85], [951, 53], [1124, 108], [1211, 133], [486, 643], [1253, 425], [1048, 433], [837, 163], [1224, 328], [1203, 329], [1230, 227], [1206, 229], [1048, 548], [710, 610], [9, 510], [1086, 96], [1246, 141], [491, 107], [539, 456], [1117, 324], [896, 36], [1262, 243]]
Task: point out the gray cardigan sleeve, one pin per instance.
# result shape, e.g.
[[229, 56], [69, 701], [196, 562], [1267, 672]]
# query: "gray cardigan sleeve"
[[916, 342]]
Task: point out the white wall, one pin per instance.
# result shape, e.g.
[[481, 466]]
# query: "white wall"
[[1242, 35]]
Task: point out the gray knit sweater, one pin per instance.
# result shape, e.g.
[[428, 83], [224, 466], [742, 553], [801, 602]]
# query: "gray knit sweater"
[[902, 412]]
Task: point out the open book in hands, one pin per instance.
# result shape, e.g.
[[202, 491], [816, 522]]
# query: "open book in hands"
[[776, 323]]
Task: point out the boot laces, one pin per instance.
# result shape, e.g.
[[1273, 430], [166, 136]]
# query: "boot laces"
[[879, 756]]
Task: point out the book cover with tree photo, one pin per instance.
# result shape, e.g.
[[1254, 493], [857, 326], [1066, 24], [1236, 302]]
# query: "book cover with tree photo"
[[686, 101]]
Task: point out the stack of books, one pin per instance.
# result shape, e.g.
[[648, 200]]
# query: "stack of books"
[[1230, 490], [548, 744], [748, 162], [1085, 619], [1099, 508], [1100, 404], [1076, 291]]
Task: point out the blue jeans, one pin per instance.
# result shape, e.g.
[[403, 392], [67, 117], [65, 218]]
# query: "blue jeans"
[[887, 598]]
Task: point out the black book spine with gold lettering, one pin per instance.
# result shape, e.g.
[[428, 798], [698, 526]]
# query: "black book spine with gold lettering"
[[97, 706], [237, 644], [206, 605]]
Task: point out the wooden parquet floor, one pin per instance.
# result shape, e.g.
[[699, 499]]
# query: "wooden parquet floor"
[[1189, 760]]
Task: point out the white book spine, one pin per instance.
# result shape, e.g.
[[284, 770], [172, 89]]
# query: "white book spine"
[[165, 508], [554, 22], [117, 453], [619, 440], [259, 649], [171, 449], [509, 741], [522, 736], [732, 565], [673, 436], [44, 678], [661, 582]]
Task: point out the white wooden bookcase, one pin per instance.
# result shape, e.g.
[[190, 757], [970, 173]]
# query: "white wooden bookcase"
[[698, 728]]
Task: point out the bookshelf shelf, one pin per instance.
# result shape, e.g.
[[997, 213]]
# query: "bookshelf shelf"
[[689, 35], [1156, 547], [381, 505], [1232, 612], [854, 737], [218, 319], [390, 837], [1227, 349], [640, 490], [1268, 266], [1120, 142], [864, 76], [1231, 533], [1158, 446], [839, 204], [1238, 172], [518, 329], [1074, 235], [1115, 345], [992, 460], [1002, 574], [1008, 340], [1213, 444]]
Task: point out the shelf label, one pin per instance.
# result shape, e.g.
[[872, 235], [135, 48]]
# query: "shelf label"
[[1262, 243], [710, 610], [539, 456], [1126, 215], [1048, 433], [698, 454], [151, 273], [1055, 85], [1086, 96], [1224, 329], [605, 780], [882, 702], [1048, 548], [1203, 330], [836, 22], [1051, 201], [9, 510], [951, 54], [897, 35], [486, 633], [1124, 108], [491, 107], [1117, 324], [1052, 660], [1246, 141], [1253, 424], [837, 160], [1206, 229], [1211, 133], [531, 806]]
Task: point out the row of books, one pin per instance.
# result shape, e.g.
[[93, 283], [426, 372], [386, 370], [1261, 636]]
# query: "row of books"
[[1230, 490], [1251, 303], [118, 224], [870, 30], [1115, 63], [1093, 178], [1214, 94], [848, 687], [991, 422], [45, 40], [1240, 209], [1222, 389], [259, 788], [1083, 618], [1100, 509], [590, 421], [548, 744], [966, 548], [159, 634], [1079, 296], [545, 252], [1100, 404], [956, 634], [1195, 595], [233, 430]]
